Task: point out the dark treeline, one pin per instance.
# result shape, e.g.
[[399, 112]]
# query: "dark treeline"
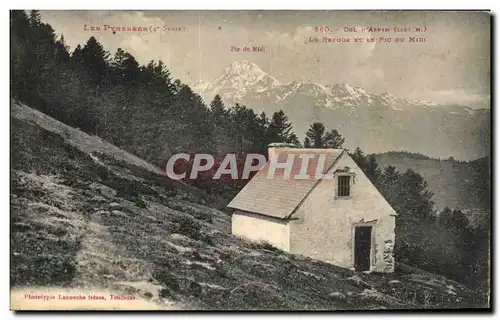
[[139, 108], [143, 110], [403, 154], [443, 243], [416, 155]]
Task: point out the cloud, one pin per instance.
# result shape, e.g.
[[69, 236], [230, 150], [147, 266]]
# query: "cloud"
[[338, 61], [135, 43], [299, 41], [455, 54]]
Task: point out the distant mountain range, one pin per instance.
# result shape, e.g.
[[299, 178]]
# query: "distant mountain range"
[[374, 122]]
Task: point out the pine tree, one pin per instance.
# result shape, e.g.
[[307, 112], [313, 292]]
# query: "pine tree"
[[413, 199], [307, 143], [125, 68], [35, 18], [372, 171], [359, 157], [261, 140], [333, 140], [445, 218], [388, 184], [62, 52], [293, 139], [191, 111], [117, 64], [218, 110], [20, 27], [96, 61], [317, 138], [163, 78], [157, 83], [77, 58], [280, 128], [176, 86], [241, 127], [368, 164], [220, 122]]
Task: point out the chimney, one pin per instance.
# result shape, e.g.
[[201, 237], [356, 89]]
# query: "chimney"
[[273, 148]]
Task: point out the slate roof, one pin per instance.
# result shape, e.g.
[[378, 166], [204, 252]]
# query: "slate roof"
[[278, 197]]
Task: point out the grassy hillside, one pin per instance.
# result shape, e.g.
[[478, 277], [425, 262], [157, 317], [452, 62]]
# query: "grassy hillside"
[[87, 215], [457, 185]]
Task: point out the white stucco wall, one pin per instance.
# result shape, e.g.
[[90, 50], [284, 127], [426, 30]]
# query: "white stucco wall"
[[258, 227], [324, 229]]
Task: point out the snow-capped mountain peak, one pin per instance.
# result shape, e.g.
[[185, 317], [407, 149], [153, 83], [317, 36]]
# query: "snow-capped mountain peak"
[[244, 81], [244, 69], [238, 79], [373, 121]]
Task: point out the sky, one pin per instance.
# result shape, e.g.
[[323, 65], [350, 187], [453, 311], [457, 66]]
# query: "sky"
[[452, 66]]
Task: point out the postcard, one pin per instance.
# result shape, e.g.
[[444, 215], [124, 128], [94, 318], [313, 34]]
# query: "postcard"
[[250, 160]]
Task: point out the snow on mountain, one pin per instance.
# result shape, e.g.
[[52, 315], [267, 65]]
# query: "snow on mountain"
[[316, 92], [287, 90], [237, 80], [245, 81], [377, 122]]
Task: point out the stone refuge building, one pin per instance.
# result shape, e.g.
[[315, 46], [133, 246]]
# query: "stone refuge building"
[[343, 220]]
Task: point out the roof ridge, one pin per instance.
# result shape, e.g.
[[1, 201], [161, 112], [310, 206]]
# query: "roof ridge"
[[279, 197], [314, 186]]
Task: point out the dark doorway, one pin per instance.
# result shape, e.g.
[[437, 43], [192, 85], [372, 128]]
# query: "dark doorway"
[[362, 248]]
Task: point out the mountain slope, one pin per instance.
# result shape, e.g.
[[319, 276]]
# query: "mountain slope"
[[457, 185], [374, 122], [87, 215]]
